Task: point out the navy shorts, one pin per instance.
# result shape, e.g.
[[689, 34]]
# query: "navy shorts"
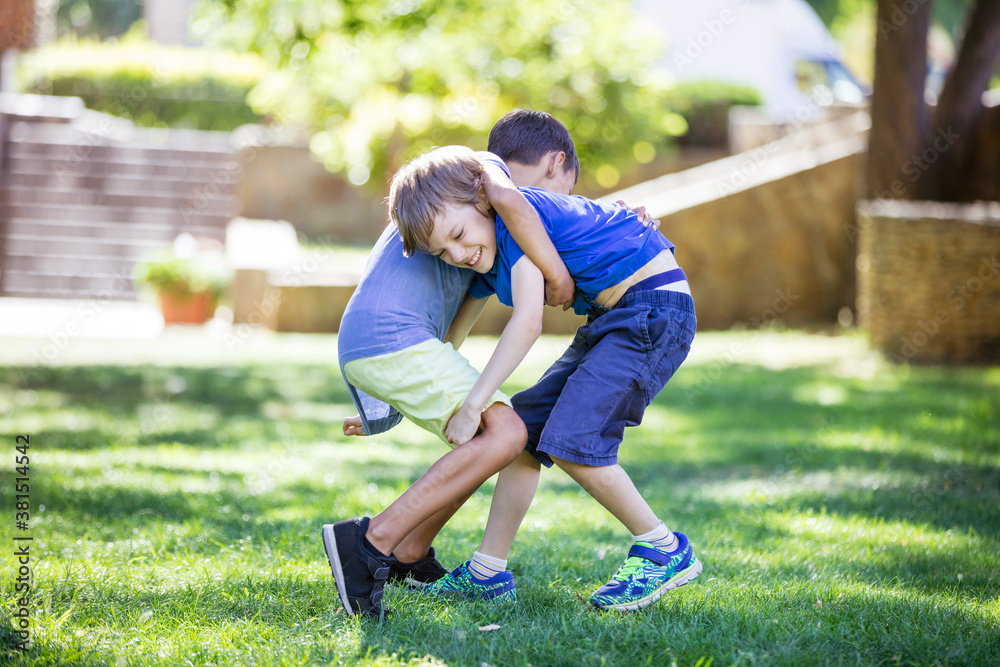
[[617, 364]]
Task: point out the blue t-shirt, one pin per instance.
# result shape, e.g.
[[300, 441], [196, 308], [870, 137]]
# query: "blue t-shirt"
[[601, 245], [399, 302]]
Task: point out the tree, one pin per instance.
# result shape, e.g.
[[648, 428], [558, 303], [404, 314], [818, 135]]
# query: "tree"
[[915, 153], [17, 24], [960, 108], [380, 81]]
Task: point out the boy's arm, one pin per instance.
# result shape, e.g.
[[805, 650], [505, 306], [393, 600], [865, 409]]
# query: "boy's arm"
[[526, 227], [524, 327], [467, 314]]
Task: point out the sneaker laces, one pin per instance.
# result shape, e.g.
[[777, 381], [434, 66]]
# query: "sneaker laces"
[[629, 567]]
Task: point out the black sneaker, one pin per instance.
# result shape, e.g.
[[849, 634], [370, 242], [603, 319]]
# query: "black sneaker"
[[359, 574], [418, 573]]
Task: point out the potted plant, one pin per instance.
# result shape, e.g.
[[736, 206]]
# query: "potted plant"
[[188, 278]]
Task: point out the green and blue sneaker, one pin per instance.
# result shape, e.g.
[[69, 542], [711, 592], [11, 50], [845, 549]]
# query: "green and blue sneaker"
[[646, 575], [460, 582]]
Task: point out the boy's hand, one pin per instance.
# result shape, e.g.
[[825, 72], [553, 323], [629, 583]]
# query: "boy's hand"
[[462, 426], [560, 292], [353, 426], [644, 217]]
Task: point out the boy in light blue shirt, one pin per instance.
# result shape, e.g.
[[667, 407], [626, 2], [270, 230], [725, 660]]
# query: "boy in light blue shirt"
[[397, 345], [640, 326]]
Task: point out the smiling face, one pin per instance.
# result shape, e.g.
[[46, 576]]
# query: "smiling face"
[[464, 237]]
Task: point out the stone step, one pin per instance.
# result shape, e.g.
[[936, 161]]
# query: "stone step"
[[30, 284], [165, 233], [182, 216], [225, 205], [114, 133], [73, 154], [70, 180], [42, 246], [68, 263], [159, 170]]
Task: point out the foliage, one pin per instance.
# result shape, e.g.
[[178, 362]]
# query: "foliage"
[[150, 84], [852, 23], [382, 81], [950, 14], [845, 510], [97, 18], [166, 270], [704, 106]]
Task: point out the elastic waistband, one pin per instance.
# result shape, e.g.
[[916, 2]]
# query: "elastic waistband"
[[659, 297], [659, 280]]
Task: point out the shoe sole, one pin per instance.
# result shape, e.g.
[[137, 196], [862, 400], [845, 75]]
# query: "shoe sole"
[[679, 580], [458, 595], [333, 556]]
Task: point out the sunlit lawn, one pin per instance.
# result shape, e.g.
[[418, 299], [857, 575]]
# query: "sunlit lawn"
[[847, 512]]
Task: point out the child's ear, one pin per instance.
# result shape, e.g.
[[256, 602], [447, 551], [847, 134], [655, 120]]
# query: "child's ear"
[[483, 204], [554, 164]]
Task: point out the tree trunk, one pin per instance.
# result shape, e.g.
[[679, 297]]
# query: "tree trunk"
[[958, 119], [17, 24], [899, 113]]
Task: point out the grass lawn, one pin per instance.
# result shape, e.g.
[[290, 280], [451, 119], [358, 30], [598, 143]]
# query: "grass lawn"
[[847, 512]]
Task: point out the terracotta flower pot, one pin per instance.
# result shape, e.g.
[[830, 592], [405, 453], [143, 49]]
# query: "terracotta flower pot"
[[195, 308]]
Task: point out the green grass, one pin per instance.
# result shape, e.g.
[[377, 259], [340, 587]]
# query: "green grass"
[[847, 512]]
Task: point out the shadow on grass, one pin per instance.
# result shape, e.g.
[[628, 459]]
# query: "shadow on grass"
[[769, 626], [230, 390]]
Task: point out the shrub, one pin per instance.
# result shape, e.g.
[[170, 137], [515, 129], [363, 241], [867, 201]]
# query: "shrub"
[[705, 106], [150, 84], [185, 269]]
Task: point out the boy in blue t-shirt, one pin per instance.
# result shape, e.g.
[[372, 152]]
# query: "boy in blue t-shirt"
[[640, 326], [397, 345]]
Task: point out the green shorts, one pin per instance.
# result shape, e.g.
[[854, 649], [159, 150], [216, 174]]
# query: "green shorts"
[[426, 382]]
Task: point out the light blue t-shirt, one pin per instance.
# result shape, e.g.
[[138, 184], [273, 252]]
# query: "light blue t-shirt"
[[601, 245], [399, 302]]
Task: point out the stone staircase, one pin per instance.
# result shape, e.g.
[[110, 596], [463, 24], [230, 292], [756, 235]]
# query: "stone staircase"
[[84, 195]]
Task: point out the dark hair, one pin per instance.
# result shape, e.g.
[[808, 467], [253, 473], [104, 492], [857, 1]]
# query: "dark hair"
[[527, 136]]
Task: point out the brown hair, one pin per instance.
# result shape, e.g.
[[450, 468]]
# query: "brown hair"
[[421, 189]]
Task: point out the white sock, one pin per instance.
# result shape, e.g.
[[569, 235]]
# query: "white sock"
[[659, 537], [483, 567]]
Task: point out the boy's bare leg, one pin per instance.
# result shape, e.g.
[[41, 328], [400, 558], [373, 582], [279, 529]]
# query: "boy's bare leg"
[[417, 544], [613, 488], [454, 476], [514, 492]]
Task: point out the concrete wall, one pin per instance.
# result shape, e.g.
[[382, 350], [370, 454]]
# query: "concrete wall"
[[929, 280], [766, 235], [283, 182]]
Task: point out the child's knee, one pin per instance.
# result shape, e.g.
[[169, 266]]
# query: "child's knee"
[[502, 425]]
